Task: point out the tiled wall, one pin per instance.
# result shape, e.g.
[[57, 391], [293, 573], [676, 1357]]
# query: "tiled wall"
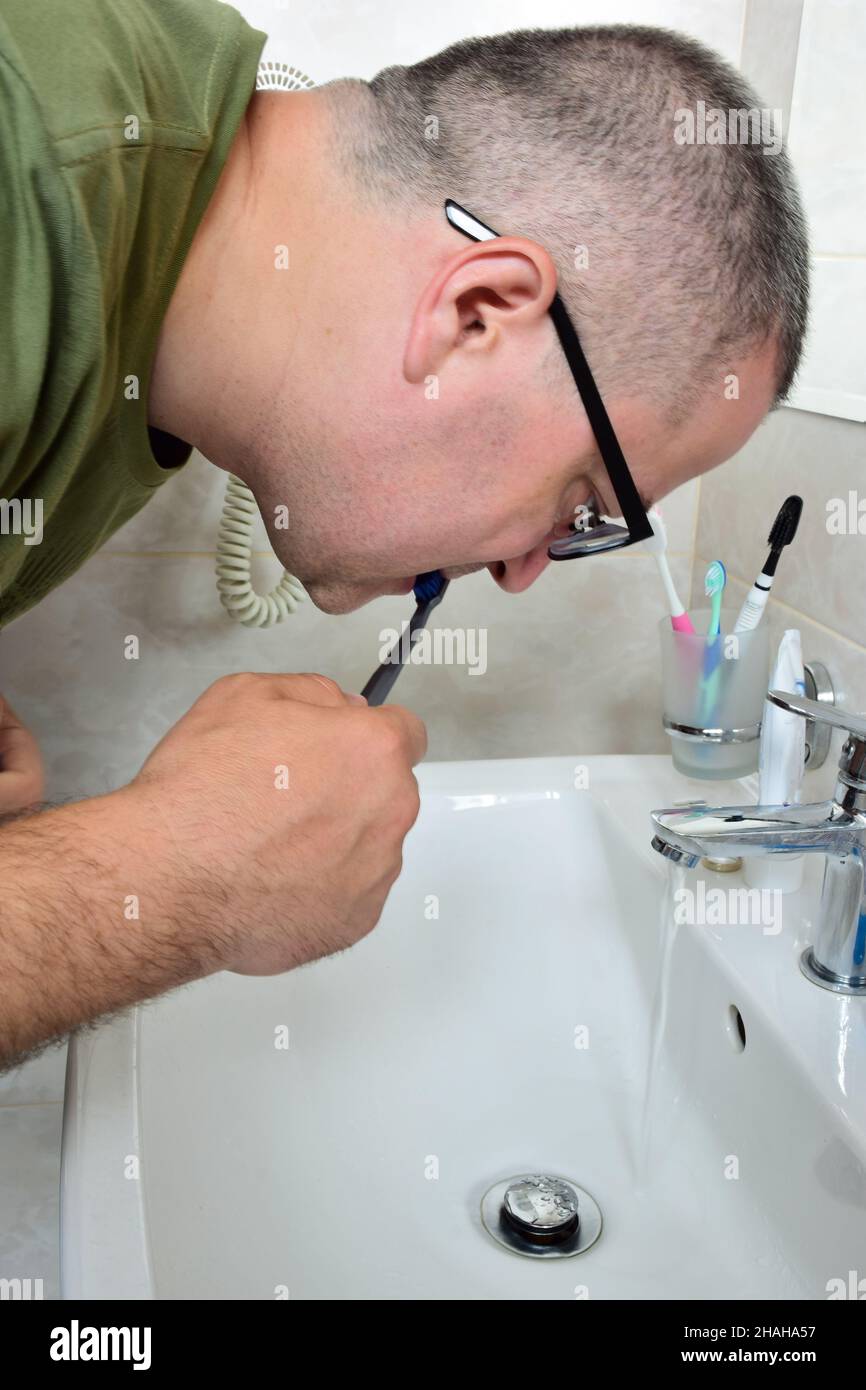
[[806, 58], [825, 139], [821, 582]]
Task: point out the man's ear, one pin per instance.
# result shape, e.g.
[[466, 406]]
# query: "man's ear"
[[479, 294]]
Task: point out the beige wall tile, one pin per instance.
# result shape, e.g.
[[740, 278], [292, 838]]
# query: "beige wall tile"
[[820, 458]]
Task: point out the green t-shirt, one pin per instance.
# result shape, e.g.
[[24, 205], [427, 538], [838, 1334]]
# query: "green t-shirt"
[[116, 119]]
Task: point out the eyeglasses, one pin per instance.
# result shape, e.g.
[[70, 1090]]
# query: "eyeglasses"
[[591, 533]]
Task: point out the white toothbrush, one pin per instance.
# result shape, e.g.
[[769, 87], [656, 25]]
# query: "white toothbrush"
[[657, 545]]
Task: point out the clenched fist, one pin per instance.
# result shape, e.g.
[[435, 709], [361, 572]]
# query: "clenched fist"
[[281, 804]]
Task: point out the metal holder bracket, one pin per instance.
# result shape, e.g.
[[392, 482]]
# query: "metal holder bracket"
[[819, 687]]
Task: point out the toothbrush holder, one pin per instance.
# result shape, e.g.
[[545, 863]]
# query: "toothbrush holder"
[[713, 695]]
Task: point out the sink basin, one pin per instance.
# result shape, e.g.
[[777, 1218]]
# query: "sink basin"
[[500, 1021]]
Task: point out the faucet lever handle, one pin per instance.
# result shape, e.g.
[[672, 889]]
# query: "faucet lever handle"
[[852, 724]]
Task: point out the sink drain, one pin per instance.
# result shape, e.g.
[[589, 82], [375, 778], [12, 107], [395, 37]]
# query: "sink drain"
[[541, 1216]]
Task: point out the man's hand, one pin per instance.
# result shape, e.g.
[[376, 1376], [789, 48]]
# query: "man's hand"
[[22, 776], [281, 805]]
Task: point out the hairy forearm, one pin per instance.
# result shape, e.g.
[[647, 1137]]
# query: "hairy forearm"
[[95, 915]]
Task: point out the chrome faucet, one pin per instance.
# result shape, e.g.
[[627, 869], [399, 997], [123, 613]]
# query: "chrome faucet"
[[837, 829]]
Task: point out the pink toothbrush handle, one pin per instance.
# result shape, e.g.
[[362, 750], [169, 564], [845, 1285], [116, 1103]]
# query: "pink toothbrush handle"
[[682, 623]]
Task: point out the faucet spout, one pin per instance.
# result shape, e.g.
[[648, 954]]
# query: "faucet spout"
[[821, 828], [836, 829]]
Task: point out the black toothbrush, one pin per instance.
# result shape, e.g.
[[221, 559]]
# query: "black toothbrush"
[[783, 532]]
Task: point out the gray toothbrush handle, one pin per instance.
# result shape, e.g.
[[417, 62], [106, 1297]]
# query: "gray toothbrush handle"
[[379, 685]]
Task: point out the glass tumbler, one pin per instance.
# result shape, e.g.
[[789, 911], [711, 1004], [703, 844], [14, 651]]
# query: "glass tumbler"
[[713, 695]]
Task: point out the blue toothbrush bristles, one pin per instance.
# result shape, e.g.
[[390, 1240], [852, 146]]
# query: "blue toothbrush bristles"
[[428, 585]]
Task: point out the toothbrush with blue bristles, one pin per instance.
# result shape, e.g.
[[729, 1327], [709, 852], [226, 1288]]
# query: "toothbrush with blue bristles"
[[715, 580], [714, 586], [429, 589]]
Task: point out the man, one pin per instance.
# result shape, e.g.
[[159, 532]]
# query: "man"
[[270, 278]]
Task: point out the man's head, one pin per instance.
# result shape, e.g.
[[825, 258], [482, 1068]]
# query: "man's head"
[[411, 404]]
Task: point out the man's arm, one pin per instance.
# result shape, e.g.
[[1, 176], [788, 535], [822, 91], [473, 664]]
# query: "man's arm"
[[92, 919]]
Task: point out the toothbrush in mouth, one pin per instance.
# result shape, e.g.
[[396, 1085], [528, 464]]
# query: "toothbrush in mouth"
[[429, 589]]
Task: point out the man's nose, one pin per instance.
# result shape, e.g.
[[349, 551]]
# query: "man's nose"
[[516, 575]]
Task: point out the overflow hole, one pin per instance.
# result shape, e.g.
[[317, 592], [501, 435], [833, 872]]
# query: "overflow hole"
[[736, 1029]]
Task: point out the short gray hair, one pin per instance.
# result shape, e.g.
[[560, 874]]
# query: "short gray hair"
[[566, 136]]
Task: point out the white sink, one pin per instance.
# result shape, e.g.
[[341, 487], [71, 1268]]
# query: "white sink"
[[437, 1058]]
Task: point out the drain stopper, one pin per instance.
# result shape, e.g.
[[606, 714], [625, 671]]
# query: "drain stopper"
[[536, 1214], [542, 1209]]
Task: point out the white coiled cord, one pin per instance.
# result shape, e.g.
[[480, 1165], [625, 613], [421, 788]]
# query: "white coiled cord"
[[234, 538], [234, 557]]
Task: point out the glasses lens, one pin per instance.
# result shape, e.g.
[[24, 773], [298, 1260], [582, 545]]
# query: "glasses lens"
[[606, 536], [590, 535]]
